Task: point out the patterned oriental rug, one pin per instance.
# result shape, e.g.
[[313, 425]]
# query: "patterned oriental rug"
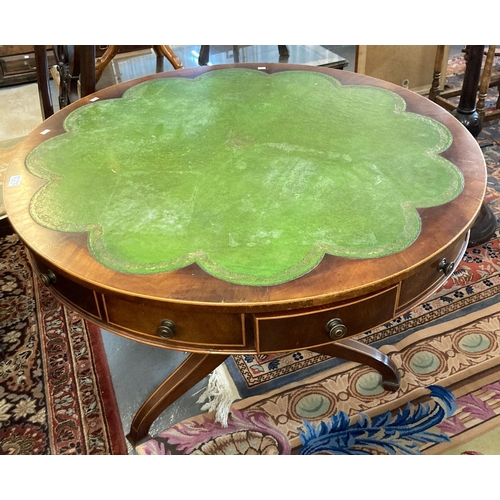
[[448, 351], [56, 396]]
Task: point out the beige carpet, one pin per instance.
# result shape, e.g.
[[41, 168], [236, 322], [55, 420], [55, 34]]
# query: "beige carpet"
[[20, 115], [6, 151], [20, 111]]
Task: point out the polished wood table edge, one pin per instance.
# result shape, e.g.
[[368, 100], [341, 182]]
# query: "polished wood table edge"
[[256, 307], [250, 344], [266, 295]]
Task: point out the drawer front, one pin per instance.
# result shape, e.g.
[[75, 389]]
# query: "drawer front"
[[19, 67], [140, 319], [192, 330], [306, 329], [13, 50], [430, 277], [82, 299]]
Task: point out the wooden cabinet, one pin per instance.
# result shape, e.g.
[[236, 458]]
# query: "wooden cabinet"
[[410, 66], [17, 64]]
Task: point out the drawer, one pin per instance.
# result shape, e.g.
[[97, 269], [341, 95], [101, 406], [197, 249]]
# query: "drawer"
[[193, 329], [430, 277], [14, 50], [17, 64], [306, 329], [83, 299]]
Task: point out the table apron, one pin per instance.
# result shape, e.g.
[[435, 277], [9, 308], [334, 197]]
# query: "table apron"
[[204, 329]]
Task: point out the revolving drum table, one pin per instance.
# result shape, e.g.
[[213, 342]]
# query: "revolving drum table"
[[246, 209]]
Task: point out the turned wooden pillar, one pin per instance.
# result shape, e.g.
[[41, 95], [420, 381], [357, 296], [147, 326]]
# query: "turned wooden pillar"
[[466, 112], [485, 225]]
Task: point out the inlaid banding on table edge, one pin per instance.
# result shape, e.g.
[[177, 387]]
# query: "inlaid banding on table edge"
[[269, 330]]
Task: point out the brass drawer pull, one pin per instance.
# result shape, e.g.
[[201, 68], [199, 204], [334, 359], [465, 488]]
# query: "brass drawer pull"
[[336, 329], [166, 329], [48, 278], [446, 267]]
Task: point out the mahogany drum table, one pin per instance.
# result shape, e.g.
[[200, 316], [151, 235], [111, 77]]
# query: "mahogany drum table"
[[246, 209]]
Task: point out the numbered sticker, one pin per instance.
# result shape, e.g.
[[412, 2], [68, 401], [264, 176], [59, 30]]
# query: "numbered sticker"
[[15, 180]]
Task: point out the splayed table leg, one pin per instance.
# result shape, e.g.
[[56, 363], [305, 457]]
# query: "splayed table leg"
[[193, 369], [353, 350]]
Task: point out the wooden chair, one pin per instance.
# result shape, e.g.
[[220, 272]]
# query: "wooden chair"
[[205, 54], [485, 79], [78, 70], [160, 51]]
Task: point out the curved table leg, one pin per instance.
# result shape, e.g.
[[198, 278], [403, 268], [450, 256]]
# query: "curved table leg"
[[353, 350], [193, 369]]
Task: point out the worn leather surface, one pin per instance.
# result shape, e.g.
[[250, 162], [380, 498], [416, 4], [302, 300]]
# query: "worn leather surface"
[[253, 176]]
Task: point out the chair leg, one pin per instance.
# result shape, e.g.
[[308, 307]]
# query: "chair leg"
[[169, 54], [484, 83], [102, 62], [43, 80], [71, 72], [283, 50], [87, 70], [438, 64], [204, 55]]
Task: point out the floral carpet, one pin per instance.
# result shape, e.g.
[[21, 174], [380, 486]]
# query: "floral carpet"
[[56, 396], [448, 353]]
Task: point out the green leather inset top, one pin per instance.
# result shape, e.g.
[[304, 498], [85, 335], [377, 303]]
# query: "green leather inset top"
[[252, 176]]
